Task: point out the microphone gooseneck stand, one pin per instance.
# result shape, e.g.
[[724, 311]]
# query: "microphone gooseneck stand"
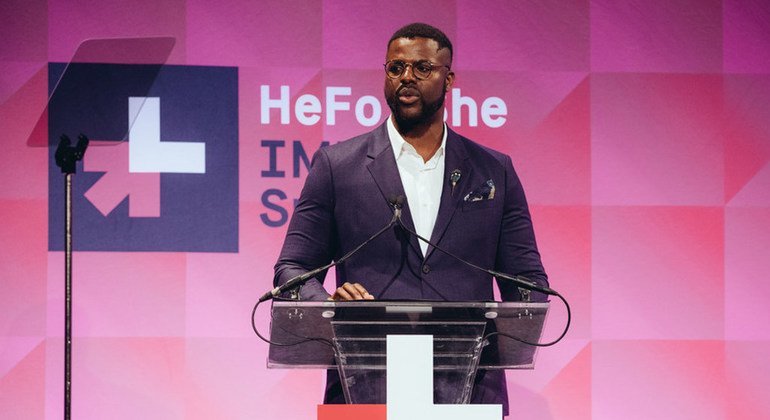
[[299, 280], [396, 204], [66, 157]]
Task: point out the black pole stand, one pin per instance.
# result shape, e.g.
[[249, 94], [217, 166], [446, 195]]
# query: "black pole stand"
[[66, 158]]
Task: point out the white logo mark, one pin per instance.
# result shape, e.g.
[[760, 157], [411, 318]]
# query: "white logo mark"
[[147, 154]]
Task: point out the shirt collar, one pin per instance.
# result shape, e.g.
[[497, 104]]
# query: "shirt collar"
[[397, 142]]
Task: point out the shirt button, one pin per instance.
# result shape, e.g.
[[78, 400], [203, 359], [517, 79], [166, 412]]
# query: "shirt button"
[[426, 269]]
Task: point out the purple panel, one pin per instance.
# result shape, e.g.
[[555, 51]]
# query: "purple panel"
[[129, 294], [356, 34], [530, 98], [13, 77], [72, 22], [217, 282], [658, 380], [549, 365], [658, 273], [55, 295], [746, 36], [569, 393], [555, 159], [15, 350], [657, 139], [24, 30], [544, 130], [129, 378], [564, 240], [274, 33], [756, 192], [22, 268], [228, 380], [22, 387], [54, 376], [748, 378], [747, 139], [747, 291], [548, 35], [656, 36], [114, 294], [20, 164]]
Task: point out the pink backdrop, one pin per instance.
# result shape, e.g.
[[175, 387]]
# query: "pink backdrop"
[[641, 131]]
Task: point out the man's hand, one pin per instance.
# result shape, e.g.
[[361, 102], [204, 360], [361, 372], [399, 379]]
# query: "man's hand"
[[351, 292]]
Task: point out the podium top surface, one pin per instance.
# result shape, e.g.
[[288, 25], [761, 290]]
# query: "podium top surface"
[[312, 326]]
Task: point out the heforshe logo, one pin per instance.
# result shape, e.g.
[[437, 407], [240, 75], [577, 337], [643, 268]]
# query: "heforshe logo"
[[410, 384], [146, 154], [172, 184], [409, 389]]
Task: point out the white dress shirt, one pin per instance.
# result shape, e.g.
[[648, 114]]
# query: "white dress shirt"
[[422, 181]]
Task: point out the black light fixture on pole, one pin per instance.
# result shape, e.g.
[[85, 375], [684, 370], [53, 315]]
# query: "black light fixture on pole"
[[67, 157], [91, 64]]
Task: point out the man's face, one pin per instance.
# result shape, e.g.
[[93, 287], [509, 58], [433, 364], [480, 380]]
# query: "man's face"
[[414, 101]]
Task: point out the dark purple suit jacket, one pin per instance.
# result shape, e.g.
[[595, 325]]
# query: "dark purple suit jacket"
[[345, 201]]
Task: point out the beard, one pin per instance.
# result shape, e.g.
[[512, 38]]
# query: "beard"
[[406, 116]]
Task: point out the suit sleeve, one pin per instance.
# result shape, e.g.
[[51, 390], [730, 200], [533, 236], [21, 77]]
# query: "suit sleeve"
[[310, 239], [517, 252]]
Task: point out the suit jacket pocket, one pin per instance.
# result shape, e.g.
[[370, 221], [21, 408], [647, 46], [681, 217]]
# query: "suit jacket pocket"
[[478, 205]]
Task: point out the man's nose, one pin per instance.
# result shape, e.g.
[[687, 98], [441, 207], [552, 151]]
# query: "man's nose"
[[408, 73]]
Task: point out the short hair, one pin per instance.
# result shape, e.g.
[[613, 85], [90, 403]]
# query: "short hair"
[[423, 30]]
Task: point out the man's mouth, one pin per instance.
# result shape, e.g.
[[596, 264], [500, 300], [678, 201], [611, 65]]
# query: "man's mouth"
[[408, 96]]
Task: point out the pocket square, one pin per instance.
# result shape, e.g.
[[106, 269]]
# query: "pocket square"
[[485, 191]]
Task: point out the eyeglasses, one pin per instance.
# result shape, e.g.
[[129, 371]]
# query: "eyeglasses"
[[421, 69]]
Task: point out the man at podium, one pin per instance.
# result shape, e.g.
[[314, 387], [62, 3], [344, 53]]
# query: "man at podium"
[[462, 197]]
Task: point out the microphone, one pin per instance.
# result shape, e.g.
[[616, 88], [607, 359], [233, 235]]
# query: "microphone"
[[454, 177], [395, 202], [520, 281]]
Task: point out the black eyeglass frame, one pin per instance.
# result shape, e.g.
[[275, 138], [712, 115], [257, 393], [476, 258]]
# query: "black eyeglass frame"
[[413, 65]]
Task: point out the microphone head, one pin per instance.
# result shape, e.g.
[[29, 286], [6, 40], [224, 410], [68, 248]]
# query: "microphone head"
[[455, 176], [397, 201]]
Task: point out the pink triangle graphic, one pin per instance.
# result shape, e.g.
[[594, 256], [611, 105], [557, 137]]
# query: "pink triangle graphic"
[[117, 183]]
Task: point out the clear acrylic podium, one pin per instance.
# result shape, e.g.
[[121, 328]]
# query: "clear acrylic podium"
[[351, 336]]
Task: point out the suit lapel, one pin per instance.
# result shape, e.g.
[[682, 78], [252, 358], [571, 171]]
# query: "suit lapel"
[[384, 172], [456, 159]]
